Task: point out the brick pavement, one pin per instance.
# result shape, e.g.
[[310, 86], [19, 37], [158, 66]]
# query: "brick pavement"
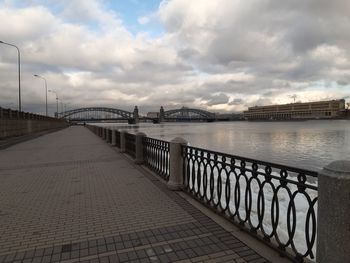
[[69, 197]]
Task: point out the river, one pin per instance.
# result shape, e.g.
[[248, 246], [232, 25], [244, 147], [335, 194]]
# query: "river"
[[305, 144]]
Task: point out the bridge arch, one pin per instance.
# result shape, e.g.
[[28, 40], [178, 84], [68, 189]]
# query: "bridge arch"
[[122, 113], [185, 112]]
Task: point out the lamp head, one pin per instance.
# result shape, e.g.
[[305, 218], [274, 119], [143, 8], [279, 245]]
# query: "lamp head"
[[36, 75]]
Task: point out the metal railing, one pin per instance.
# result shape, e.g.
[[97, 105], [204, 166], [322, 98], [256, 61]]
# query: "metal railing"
[[130, 147], [110, 135], [156, 156], [117, 139], [275, 203]]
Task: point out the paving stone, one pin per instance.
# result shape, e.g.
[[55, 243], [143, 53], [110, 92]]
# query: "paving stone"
[[18, 256], [84, 252], [141, 254], [104, 260], [48, 251], [132, 255], [9, 258], [37, 260], [113, 259], [123, 257]]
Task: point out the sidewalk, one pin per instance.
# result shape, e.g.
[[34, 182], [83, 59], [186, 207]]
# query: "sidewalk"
[[68, 196]]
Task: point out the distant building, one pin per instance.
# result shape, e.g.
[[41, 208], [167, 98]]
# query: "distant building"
[[310, 110], [153, 114]]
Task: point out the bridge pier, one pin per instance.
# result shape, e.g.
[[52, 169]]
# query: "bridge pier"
[[161, 114], [136, 118]]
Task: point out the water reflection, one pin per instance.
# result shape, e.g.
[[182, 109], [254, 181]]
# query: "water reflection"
[[308, 144]]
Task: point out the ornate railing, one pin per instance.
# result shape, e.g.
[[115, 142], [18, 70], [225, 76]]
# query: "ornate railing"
[[156, 156], [275, 203], [130, 147], [109, 135], [117, 138]]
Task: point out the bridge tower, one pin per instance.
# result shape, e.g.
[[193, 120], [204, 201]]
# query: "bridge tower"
[[161, 114], [136, 115]]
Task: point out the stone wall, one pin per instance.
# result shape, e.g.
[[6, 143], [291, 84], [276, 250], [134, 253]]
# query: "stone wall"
[[12, 128], [14, 123]]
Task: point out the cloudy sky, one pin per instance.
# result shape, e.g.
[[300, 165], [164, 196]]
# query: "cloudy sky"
[[219, 55]]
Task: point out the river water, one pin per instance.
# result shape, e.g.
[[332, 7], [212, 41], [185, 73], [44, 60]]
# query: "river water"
[[305, 144]]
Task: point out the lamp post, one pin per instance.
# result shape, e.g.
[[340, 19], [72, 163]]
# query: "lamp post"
[[56, 101], [61, 105], [38, 76], [19, 74]]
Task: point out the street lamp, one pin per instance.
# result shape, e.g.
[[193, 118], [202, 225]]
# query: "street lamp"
[[56, 101], [19, 74], [61, 107], [38, 76]]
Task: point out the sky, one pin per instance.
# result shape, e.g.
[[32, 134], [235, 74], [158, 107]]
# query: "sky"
[[222, 55]]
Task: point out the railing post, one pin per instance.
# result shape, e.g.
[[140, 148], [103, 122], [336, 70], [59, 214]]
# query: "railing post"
[[176, 164], [104, 133], [107, 136], [114, 138], [333, 215], [110, 133], [139, 147], [122, 141], [111, 136]]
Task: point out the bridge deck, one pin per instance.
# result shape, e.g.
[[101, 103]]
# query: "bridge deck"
[[68, 196]]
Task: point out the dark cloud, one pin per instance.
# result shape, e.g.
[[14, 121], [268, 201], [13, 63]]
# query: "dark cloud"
[[342, 82], [236, 102], [216, 99]]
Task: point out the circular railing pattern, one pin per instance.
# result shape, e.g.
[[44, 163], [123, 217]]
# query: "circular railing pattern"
[[130, 147], [156, 156], [275, 203]]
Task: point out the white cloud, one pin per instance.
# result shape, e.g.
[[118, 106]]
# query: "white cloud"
[[220, 55], [143, 20]]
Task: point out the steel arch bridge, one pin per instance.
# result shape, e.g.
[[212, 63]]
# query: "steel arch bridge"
[[126, 115], [188, 113]]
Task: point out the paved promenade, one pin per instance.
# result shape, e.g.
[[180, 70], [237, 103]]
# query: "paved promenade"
[[69, 197]]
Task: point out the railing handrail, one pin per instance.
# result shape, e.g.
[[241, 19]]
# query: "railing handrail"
[[279, 166]]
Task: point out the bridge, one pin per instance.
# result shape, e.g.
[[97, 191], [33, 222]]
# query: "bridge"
[[100, 113], [89, 114], [186, 114]]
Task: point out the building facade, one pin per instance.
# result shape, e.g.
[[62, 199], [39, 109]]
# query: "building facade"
[[153, 114], [295, 111]]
